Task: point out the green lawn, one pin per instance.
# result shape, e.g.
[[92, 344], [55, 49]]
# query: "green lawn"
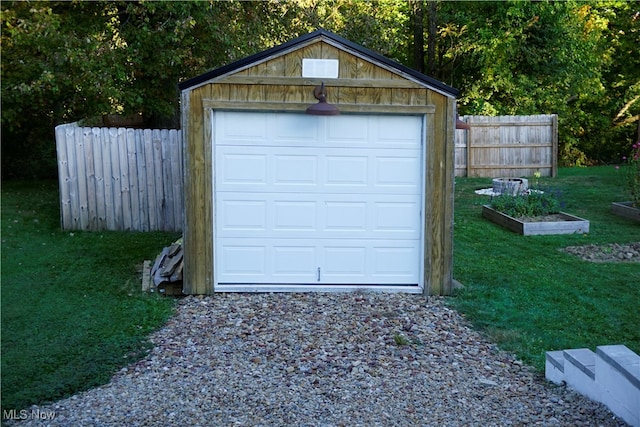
[[72, 309], [73, 313], [529, 296]]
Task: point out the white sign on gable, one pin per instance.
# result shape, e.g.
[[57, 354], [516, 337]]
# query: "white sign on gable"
[[320, 68]]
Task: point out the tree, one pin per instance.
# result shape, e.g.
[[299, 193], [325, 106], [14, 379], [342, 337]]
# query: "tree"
[[55, 64], [417, 24], [536, 58], [618, 111], [64, 61]]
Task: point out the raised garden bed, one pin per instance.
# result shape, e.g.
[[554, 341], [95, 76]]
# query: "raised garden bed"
[[560, 223], [626, 210]]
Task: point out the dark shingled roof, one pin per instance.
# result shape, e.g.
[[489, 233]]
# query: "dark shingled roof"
[[429, 81]]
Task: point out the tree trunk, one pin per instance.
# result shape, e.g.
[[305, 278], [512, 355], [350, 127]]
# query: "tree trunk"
[[431, 40], [418, 35]]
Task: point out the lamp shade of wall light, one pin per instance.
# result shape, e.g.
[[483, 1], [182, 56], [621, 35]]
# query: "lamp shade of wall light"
[[322, 108], [461, 124]]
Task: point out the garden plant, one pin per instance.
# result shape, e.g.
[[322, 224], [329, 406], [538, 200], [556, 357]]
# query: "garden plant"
[[531, 203]]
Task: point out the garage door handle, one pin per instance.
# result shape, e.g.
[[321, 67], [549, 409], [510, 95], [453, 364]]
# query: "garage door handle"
[[318, 274]]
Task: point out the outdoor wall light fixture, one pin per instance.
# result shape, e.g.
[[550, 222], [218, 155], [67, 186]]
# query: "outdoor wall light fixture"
[[322, 108], [461, 124]]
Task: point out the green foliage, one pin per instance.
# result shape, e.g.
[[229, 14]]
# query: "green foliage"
[[72, 309], [528, 295], [574, 59], [48, 76], [632, 170], [531, 204], [401, 340], [65, 61]]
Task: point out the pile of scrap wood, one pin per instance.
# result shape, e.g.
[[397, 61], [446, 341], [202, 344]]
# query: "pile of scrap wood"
[[166, 274]]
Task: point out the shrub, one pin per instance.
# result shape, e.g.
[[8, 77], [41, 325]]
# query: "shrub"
[[633, 174]]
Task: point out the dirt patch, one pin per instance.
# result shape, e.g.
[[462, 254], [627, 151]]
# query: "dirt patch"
[[545, 218], [614, 252]]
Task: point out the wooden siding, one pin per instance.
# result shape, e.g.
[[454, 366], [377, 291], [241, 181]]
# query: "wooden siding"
[[119, 179], [279, 80], [507, 146], [276, 84], [439, 198], [198, 215]]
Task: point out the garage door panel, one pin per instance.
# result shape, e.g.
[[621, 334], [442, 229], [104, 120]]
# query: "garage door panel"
[[347, 170], [345, 216], [300, 130], [399, 172], [294, 263], [374, 262], [314, 200], [341, 262], [294, 129], [398, 131], [397, 217], [304, 169], [246, 128], [241, 260], [250, 261], [350, 130], [311, 216], [328, 261], [242, 215], [394, 261], [295, 170], [242, 168], [295, 216]]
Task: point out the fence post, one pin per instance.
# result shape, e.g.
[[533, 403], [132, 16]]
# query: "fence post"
[[554, 146], [469, 138]]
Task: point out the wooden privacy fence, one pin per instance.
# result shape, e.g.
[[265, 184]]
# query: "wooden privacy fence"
[[119, 179], [507, 146], [131, 179]]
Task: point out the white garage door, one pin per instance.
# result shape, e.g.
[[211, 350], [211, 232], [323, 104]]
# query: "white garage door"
[[317, 201]]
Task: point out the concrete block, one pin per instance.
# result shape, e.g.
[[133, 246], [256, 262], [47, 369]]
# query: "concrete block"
[[579, 372], [554, 366], [618, 377]]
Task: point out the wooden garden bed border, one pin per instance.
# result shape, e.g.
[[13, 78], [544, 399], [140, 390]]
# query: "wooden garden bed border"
[[569, 225]]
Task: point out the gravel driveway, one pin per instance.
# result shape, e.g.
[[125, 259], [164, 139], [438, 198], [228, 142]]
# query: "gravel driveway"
[[353, 359]]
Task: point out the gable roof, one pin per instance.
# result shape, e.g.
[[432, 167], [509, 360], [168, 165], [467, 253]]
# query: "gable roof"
[[366, 53]]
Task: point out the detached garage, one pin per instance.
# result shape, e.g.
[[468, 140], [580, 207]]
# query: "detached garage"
[[318, 165]]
